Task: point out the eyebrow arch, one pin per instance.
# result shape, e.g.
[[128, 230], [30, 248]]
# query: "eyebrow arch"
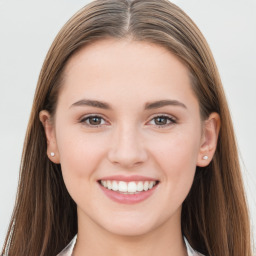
[[92, 103], [162, 103], [148, 106]]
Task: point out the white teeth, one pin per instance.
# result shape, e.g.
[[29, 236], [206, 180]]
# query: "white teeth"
[[114, 186], [122, 186], [140, 186], [104, 183], [109, 184], [146, 185], [150, 185], [131, 187]]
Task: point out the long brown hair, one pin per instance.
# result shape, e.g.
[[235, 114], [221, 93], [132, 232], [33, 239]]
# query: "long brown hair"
[[214, 215]]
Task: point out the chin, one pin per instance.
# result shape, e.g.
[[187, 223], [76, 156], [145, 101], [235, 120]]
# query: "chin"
[[130, 225], [129, 230]]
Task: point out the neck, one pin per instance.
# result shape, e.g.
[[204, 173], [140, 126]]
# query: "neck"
[[165, 240]]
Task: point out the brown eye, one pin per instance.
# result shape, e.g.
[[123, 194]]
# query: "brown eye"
[[162, 121], [93, 121]]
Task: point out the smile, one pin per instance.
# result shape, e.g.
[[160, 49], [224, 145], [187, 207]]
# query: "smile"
[[128, 190], [132, 187]]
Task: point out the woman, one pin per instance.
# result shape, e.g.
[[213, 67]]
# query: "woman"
[[130, 144]]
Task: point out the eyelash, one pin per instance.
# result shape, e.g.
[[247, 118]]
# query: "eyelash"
[[171, 120]]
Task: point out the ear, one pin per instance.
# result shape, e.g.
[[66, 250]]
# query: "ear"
[[52, 148], [211, 128]]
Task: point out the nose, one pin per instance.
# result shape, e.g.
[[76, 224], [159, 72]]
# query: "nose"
[[127, 149]]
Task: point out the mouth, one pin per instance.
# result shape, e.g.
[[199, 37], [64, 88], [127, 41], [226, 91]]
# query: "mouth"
[[130, 188]]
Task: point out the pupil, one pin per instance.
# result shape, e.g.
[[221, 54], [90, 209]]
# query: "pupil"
[[95, 120], [161, 120]]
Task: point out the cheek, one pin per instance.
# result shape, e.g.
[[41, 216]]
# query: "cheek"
[[176, 156], [177, 150], [80, 156]]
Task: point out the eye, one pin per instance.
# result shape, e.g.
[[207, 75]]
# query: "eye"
[[163, 121], [93, 120]]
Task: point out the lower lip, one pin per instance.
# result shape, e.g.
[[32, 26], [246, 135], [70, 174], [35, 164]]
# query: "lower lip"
[[128, 198]]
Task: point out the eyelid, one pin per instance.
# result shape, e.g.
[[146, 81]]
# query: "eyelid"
[[165, 115], [170, 117], [85, 117]]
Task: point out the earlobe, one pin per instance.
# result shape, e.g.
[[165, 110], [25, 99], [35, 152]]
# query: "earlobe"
[[52, 148], [209, 140]]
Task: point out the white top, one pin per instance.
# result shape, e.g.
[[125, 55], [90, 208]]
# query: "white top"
[[68, 250]]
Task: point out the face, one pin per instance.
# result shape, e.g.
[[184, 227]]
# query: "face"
[[127, 118]]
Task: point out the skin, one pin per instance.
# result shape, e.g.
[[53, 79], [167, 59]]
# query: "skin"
[[129, 141]]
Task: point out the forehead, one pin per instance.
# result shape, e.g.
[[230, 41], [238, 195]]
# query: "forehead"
[[126, 69], [119, 54]]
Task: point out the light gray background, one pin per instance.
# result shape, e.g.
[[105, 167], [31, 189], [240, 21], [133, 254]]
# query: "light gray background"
[[27, 29]]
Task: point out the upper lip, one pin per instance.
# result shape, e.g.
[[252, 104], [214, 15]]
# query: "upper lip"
[[128, 178]]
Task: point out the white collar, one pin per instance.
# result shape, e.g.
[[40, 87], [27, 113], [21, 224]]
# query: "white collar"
[[69, 248]]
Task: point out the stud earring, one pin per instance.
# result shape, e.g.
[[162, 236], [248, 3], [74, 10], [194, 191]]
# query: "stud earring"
[[52, 154], [205, 157]]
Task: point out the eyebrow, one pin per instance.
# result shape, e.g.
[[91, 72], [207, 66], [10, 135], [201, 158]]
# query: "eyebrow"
[[148, 106], [92, 103], [162, 103]]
